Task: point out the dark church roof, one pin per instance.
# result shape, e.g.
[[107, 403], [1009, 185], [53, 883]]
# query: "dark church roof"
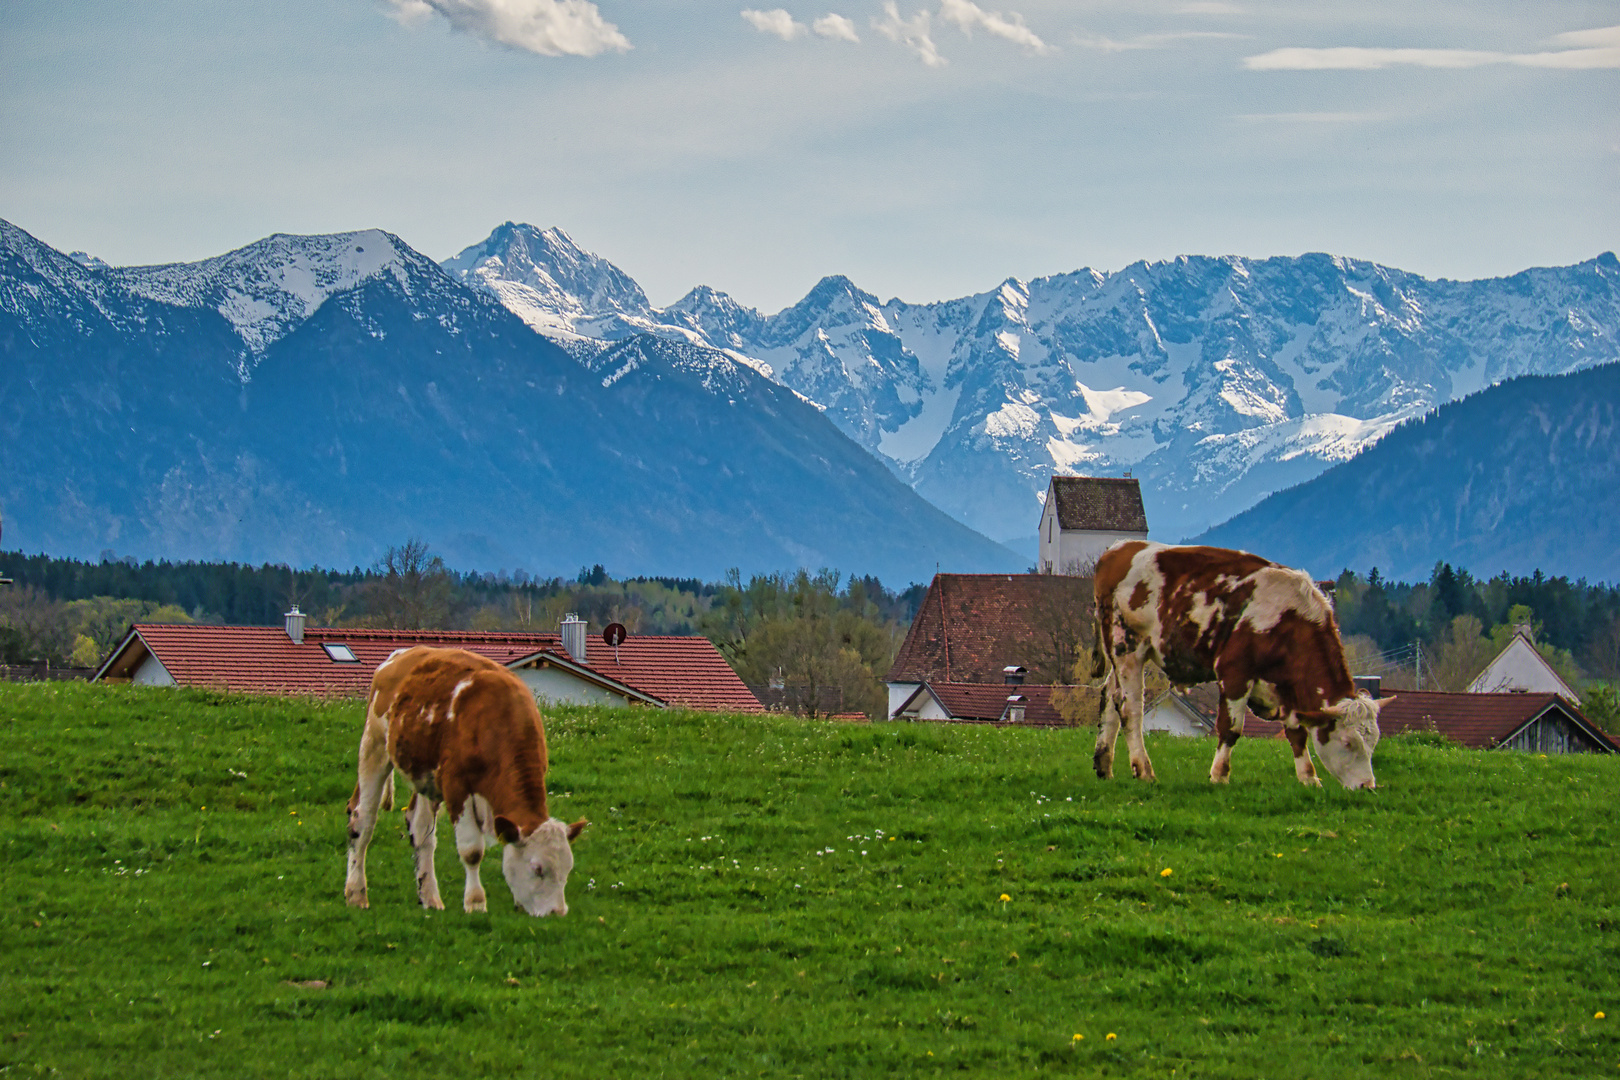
[[971, 626], [1101, 503]]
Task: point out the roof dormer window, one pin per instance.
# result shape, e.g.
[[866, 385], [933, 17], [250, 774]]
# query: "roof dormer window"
[[339, 652]]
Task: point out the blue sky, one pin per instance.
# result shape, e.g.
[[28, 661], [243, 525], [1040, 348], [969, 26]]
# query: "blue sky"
[[925, 149]]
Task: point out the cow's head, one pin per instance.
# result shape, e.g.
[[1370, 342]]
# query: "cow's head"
[[1346, 745], [537, 863]]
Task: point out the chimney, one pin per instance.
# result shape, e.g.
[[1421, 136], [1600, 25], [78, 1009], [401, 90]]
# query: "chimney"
[[573, 636], [295, 625], [1373, 684], [1013, 674], [1015, 708]]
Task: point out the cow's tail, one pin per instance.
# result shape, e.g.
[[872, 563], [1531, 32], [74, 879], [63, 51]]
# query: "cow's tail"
[[1099, 653]]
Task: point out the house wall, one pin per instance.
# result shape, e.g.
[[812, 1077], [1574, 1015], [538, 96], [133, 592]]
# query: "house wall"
[[554, 686], [1520, 667], [1551, 734], [1064, 550], [898, 693], [1167, 714], [930, 710], [151, 673]]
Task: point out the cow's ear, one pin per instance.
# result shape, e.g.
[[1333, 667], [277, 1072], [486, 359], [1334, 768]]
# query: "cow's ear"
[[507, 829], [576, 828]]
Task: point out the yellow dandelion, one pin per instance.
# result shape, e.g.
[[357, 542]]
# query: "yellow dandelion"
[[1077, 1037], [1005, 898], [1109, 1037], [1597, 1015], [1166, 872]]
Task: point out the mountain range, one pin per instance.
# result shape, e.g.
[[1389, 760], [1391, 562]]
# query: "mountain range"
[[1216, 381], [312, 400], [1520, 477], [316, 398]]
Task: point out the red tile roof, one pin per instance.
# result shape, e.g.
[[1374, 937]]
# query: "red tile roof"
[[987, 702], [970, 626], [1477, 721], [1480, 721], [681, 671]]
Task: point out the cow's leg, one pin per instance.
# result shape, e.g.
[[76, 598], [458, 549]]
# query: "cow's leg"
[[1133, 671], [422, 819], [470, 846], [1299, 738], [372, 786], [1228, 729], [1102, 759]]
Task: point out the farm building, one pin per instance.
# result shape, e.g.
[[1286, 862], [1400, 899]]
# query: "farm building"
[[652, 670], [968, 703], [1542, 723], [1083, 516], [1519, 667], [971, 628]]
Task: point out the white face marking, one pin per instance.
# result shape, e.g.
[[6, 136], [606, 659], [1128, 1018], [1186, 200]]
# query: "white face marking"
[[391, 658], [1347, 751], [537, 869]]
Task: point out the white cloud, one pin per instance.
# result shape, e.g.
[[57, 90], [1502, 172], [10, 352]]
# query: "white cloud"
[[776, 21], [836, 27], [914, 33], [968, 16], [1598, 48], [1209, 7], [546, 27]]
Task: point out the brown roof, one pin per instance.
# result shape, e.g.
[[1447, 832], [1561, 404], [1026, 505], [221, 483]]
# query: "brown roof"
[[682, 671], [970, 626], [1105, 503], [1478, 721], [979, 701]]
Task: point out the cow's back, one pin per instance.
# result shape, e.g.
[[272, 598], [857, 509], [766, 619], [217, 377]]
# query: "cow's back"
[[456, 710]]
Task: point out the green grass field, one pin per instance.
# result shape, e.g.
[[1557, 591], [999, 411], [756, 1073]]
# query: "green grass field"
[[765, 896]]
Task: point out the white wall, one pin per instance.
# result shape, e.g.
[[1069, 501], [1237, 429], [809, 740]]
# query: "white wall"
[[152, 673], [899, 692], [552, 685]]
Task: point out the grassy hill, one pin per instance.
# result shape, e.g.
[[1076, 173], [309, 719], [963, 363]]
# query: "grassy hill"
[[761, 896]]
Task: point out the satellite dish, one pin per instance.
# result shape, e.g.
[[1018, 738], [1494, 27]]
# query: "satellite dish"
[[614, 634]]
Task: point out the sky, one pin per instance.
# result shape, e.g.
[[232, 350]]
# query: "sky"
[[927, 149]]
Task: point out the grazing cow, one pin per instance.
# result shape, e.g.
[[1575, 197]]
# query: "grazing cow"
[[466, 733], [1254, 627]]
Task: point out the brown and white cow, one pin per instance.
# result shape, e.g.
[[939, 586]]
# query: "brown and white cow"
[[1254, 627], [466, 733]]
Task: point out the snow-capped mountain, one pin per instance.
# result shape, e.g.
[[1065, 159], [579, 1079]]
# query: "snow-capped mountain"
[[1214, 380], [318, 398]]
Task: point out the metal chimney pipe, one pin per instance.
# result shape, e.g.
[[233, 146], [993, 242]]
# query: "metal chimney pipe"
[[295, 625], [573, 636]]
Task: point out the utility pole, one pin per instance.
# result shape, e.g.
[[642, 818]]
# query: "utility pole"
[[1419, 664]]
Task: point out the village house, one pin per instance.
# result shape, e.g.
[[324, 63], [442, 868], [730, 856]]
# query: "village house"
[[1543, 723], [1083, 516], [658, 671], [1520, 667]]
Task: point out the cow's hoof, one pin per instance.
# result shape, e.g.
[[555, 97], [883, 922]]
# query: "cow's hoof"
[[474, 904], [1220, 778], [433, 904], [356, 899]]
